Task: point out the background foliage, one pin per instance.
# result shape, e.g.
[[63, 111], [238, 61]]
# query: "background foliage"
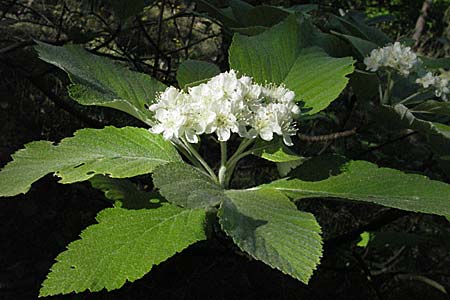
[[407, 257]]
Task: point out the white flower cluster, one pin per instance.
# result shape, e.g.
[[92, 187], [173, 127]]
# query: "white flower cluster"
[[439, 83], [396, 56], [226, 104]]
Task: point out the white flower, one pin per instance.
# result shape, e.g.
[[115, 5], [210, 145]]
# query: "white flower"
[[224, 105], [264, 124], [170, 123], [396, 56], [224, 122], [169, 99], [427, 80], [442, 87], [438, 82]]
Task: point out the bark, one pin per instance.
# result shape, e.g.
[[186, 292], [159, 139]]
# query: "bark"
[[420, 23]]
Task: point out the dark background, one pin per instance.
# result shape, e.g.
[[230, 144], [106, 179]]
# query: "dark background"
[[34, 105]]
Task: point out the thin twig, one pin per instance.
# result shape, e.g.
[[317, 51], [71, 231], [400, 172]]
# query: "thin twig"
[[326, 137]]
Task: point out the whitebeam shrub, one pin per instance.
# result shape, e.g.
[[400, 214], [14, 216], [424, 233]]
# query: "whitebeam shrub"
[[192, 199]]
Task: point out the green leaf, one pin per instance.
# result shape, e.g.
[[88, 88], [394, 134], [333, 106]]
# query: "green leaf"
[[303, 8], [384, 239], [278, 55], [437, 133], [364, 181], [262, 15], [284, 168], [432, 107], [124, 193], [365, 238], [362, 47], [124, 245], [192, 72], [354, 25], [433, 63], [274, 151], [225, 16], [318, 78], [117, 152], [266, 225], [251, 30], [99, 81], [186, 186]]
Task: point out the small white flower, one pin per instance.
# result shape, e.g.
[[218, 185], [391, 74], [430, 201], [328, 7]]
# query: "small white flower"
[[170, 123], [427, 80], [442, 88], [224, 122]]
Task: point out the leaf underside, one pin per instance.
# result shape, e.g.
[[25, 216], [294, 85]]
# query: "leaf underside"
[[100, 81], [186, 186], [117, 152]]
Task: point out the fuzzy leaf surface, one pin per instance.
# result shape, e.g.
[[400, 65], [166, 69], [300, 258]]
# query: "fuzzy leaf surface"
[[100, 81], [364, 181], [124, 245], [117, 152], [186, 186], [283, 54], [268, 226]]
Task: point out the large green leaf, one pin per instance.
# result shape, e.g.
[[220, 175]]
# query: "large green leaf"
[[124, 193], [364, 181], [224, 15], [117, 152], [432, 107], [124, 245], [438, 134], [186, 186], [362, 47], [279, 55], [354, 25], [266, 225], [318, 78], [263, 15], [99, 81], [192, 72], [433, 63]]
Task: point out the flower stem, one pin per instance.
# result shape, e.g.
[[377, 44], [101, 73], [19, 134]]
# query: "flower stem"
[[387, 94], [223, 162], [234, 159], [412, 96], [200, 160], [183, 149]]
